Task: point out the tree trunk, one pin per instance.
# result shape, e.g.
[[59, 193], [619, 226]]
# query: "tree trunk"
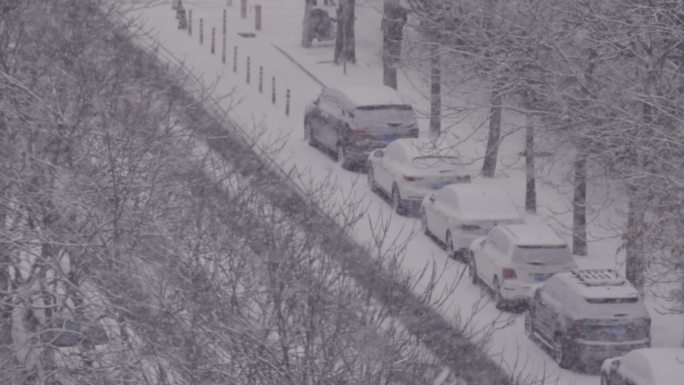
[[579, 206], [393, 20], [306, 24], [492, 151], [435, 93], [345, 50], [634, 259], [530, 189]]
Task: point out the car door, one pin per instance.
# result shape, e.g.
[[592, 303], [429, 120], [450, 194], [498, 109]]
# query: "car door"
[[549, 309], [445, 209], [392, 165], [490, 255], [381, 174], [330, 108]]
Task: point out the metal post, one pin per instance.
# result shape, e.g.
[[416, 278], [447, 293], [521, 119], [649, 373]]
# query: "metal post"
[[243, 8], [201, 31], [225, 22], [190, 22], [273, 90], [223, 50], [257, 17], [235, 53], [248, 70], [213, 39], [261, 79], [287, 102]]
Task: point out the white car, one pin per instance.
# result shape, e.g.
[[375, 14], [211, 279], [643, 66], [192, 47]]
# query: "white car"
[[513, 258], [649, 366], [457, 214], [408, 169]]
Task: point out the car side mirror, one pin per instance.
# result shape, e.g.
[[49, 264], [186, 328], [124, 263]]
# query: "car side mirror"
[[432, 198], [378, 153]]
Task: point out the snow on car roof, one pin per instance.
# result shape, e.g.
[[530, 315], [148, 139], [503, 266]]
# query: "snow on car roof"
[[662, 366], [535, 235], [624, 290], [371, 95], [484, 202]]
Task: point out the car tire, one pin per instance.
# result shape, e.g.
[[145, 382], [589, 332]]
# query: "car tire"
[[397, 203], [499, 300], [472, 271], [308, 135], [341, 157], [424, 222], [562, 352], [449, 245], [371, 179], [529, 326]]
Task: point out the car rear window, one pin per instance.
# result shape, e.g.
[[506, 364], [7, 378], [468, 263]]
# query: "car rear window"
[[542, 255], [612, 300], [432, 161], [384, 116]]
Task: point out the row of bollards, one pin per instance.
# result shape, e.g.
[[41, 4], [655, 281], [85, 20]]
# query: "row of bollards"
[[248, 73]]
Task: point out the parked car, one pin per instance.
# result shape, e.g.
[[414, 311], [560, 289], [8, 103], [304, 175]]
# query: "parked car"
[[650, 366], [353, 121], [408, 169], [587, 316], [512, 258], [458, 213]]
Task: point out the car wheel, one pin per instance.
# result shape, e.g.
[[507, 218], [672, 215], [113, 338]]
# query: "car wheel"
[[424, 222], [449, 245], [604, 379], [529, 327], [342, 157], [562, 352], [472, 271], [499, 300], [397, 204], [371, 179], [308, 135]]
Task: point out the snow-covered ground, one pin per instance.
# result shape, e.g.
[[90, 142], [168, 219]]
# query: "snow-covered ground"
[[255, 112]]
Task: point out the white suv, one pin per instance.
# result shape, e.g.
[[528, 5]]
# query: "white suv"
[[512, 258]]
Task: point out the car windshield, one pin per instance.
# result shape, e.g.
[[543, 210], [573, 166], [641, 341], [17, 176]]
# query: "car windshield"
[[435, 161], [542, 255], [385, 115]]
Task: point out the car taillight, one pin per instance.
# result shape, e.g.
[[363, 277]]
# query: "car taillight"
[[578, 325], [412, 178], [356, 134], [508, 273], [471, 228]]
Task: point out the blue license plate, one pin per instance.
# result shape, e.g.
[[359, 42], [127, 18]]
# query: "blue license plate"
[[387, 138], [542, 276], [617, 330], [437, 186]]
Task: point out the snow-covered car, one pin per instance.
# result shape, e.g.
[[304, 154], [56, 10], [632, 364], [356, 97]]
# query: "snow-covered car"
[[459, 213], [512, 258], [352, 121], [650, 366], [586, 316], [408, 169]]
